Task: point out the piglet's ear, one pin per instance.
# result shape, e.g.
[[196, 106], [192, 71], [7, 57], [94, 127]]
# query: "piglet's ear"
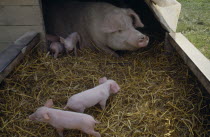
[[136, 20], [49, 103], [62, 40], [102, 80], [46, 116]]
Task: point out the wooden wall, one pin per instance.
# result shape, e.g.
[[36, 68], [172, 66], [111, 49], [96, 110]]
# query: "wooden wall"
[[18, 17]]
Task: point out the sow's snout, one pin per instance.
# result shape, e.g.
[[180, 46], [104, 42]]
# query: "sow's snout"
[[143, 41]]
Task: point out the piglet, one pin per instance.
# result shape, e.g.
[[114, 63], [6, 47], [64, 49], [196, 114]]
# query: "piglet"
[[52, 38], [70, 42], [99, 94], [65, 119], [56, 48]]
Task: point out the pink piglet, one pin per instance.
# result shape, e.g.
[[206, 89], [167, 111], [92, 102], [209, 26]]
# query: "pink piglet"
[[70, 42], [99, 94], [56, 48], [65, 119]]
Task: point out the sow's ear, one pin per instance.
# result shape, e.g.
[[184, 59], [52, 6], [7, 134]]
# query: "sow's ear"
[[136, 20], [112, 22], [49, 103]]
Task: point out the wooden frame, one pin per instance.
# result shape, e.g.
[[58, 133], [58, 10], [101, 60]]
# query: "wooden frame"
[[11, 57], [18, 17], [195, 60]]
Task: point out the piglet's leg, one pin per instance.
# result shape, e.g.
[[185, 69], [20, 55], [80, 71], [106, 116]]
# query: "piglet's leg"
[[56, 54], [96, 134], [103, 104], [60, 132], [92, 132], [75, 50]]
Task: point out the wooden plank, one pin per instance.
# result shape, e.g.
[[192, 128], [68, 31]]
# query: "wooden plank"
[[4, 45], [196, 61], [12, 56], [11, 33], [19, 2], [20, 15]]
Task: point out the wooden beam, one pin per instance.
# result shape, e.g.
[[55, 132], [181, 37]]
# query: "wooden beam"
[[11, 57], [4, 45], [11, 33], [19, 2], [195, 60]]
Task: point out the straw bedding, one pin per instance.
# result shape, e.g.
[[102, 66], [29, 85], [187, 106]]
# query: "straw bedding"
[[158, 97]]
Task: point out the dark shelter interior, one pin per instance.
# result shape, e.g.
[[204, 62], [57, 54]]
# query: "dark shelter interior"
[[152, 27]]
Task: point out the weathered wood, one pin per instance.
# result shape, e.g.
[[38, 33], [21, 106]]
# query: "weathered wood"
[[12, 56], [20, 15], [11, 33], [196, 61], [19, 2], [4, 45]]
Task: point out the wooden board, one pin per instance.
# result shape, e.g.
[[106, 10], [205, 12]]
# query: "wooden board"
[[4, 45], [12, 56], [20, 15], [195, 60], [19, 2], [11, 33]]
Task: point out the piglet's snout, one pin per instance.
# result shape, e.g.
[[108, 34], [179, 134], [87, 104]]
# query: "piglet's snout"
[[31, 117], [143, 41]]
